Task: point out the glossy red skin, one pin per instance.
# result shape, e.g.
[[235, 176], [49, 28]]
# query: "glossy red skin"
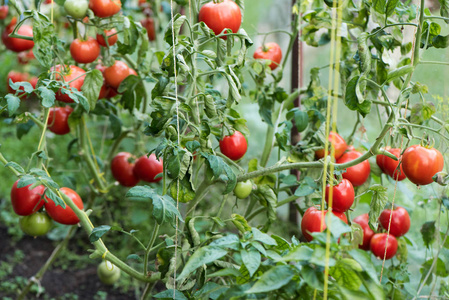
[[17, 44], [122, 169], [234, 146], [339, 145], [15, 77], [379, 243], [33, 81], [4, 11], [219, 16], [115, 74], [368, 233], [389, 165], [74, 72], [420, 164], [112, 38], [270, 51], [400, 221], [105, 8], [58, 120], [357, 174], [342, 196], [146, 168], [64, 216], [111, 93], [313, 221], [25, 57], [26, 202], [85, 52], [148, 24]]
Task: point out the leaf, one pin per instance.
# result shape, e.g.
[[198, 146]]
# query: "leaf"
[[240, 222], [174, 27], [399, 72], [428, 233], [307, 187], [301, 253], [364, 53], [352, 97], [230, 241], [92, 86], [268, 195], [273, 279], [170, 294], [13, 103], [444, 9], [15, 166], [391, 6], [378, 201], [345, 274], [336, 226], [55, 198], [98, 232], [47, 96], [379, 6], [364, 259], [116, 125], [251, 259], [26, 180], [263, 237], [202, 256]]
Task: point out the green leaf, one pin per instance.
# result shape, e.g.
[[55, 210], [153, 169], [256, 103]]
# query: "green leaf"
[[55, 198], [15, 166], [241, 223], [273, 279], [116, 125], [345, 273], [263, 237], [353, 96], [301, 253], [428, 231], [391, 6], [444, 9], [251, 259], [170, 294], [399, 72], [47, 96], [13, 103], [202, 256], [364, 259], [26, 180], [98, 232], [130, 36], [336, 226], [230, 241], [270, 200], [379, 6], [92, 86], [175, 27], [378, 201], [364, 53]]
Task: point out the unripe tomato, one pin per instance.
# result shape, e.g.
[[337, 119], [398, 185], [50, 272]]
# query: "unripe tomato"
[[339, 143], [111, 35], [146, 168], [389, 166], [357, 174], [243, 189], [25, 201], [269, 51], [234, 146], [420, 164], [17, 44], [400, 221], [4, 11], [64, 216], [36, 224], [363, 221], [342, 196], [105, 8], [108, 273], [115, 74], [85, 52], [76, 8], [313, 220], [58, 120], [148, 24], [218, 16], [379, 244], [122, 169], [75, 77]]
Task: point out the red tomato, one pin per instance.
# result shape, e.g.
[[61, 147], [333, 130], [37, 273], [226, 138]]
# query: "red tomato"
[[25, 201], [122, 169], [115, 74], [111, 93], [218, 16], [64, 216], [342, 196], [104, 91], [33, 81], [269, 51], [380, 160], [75, 79], [368, 233], [58, 120], [313, 221], [146, 168], [4, 11], [379, 244], [25, 57], [357, 174], [111, 35], [105, 8], [234, 146], [148, 24], [17, 44], [400, 221], [339, 145], [420, 164], [15, 77], [85, 52], [389, 166]]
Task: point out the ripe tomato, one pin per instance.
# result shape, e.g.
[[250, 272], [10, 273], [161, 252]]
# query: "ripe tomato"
[[146, 168], [105, 8], [58, 120], [4, 11], [234, 146], [339, 143], [342, 196], [389, 166], [111, 35], [357, 174], [115, 74], [379, 244], [17, 44], [313, 221], [122, 169], [269, 51], [85, 52], [76, 8], [368, 233], [148, 24], [74, 77], [25, 201], [36, 224], [64, 216], [243, 189], [400, 221], [108, 273], [218, 16], [25, 57], [420, 164]]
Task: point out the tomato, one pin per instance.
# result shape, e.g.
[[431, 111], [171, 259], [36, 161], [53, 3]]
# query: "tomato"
[[64, 216], [108, 273], [218, 16], [313, 221], [33, 81], [269, 51], [4, 11], [115, 74], [420, 164], [76, 8], [15, 77], [234, 146], [146, 168], [342, 196], [357, 174], [17, 44], [400, 221], [105, 8], [363, 221], [122, 169], [36, 224], [58, 120], [379, 244], [25, 201], [389, 166], [148, 24], [74, 78], [85, 52], [339, 143], [111, 35], [243, 189], [25, 57]]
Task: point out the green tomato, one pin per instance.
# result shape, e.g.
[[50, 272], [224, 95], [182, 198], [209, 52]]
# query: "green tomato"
[[76, 8], [36, 224], [108, 273], [243, 189]]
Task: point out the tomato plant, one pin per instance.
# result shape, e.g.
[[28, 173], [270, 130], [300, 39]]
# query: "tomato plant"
[[26, 201], [420, 164], [271, 52], [313, 221], [108, 273], [74, 77], [243, 189], [17, 44], [36, 224], [400, 221]]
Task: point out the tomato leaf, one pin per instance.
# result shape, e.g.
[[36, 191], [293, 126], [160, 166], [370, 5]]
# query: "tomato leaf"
[[13, 103], [98, 232], [268, 199], [55, 198], [273, 279], [336, 225], [202, 256], [263, 237], [251, 259], [170, 294], [116, 125], [221, 171], [15, 166], [47, 96], [428, 231], [345, 274], [378, 201], [174, 26], [92, 86], [444, 9], [130, 36]]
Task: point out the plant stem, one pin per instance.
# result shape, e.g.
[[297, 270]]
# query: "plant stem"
[[150, 245]]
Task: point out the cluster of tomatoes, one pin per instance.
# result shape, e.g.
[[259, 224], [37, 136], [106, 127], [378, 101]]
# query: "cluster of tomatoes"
[[128, 173]]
